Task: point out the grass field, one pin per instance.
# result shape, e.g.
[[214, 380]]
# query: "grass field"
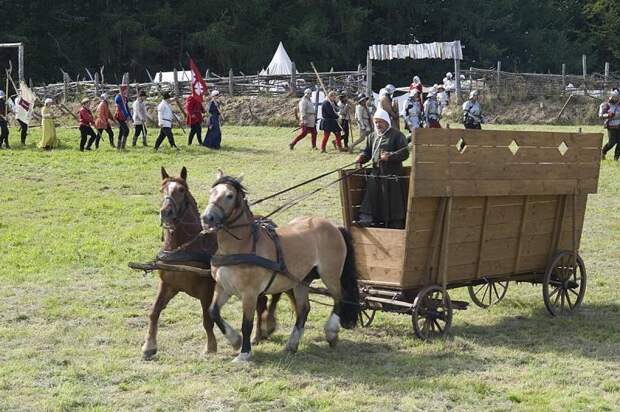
[[73, 316]]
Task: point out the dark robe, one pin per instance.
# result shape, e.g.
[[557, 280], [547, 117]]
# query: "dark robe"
[[384, 199], [213, 137], [329, 118]]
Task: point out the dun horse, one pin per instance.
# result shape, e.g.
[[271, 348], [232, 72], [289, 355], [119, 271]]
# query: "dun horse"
[[254, 260], [181, 226]]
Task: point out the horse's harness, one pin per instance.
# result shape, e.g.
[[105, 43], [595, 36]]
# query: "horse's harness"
[[266, 226]]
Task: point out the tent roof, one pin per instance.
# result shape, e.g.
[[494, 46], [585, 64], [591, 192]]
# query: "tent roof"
[[280, 63]]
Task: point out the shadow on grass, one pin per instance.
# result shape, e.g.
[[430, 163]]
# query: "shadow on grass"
[[593, 331]]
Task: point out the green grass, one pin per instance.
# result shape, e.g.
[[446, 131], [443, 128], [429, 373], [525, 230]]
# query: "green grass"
[[73, 316]]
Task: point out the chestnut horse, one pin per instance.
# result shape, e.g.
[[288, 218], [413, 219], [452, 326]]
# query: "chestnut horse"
[[181, 226], [254, 260]]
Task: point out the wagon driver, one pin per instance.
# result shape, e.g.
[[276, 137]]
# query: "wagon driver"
[[384, 202]]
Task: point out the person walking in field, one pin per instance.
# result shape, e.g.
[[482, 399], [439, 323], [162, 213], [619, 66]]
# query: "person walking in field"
[[103, 121], [412, 111], [344, 113], [140, 116], [4, 124], [194, 110], [307, 120], [213, 138], [23, 114], [164, 119], [610, 111], [122, 116], [448, 84], [362, 116], [48, 132], [442, 97], [387, 103], [86, 119], [417, 84], [329, 122], [472, 112], [432, 112]]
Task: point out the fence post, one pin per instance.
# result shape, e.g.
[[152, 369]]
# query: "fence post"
[[97, 84], [457, 77], [563, 77], [293, 79], [585, 73], [368, 75], [207, 74], [231, 88], [175, 75], [606, 76], [499, 69], [330, 83], [65, 88]]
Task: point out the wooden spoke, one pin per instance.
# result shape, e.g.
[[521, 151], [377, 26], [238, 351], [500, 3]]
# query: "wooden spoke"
[[489, 294]]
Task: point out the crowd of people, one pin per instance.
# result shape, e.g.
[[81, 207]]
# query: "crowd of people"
[[422, 108], [92, 126]]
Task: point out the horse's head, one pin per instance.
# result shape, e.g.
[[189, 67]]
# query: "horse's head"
[[226, 202], [175, 199]]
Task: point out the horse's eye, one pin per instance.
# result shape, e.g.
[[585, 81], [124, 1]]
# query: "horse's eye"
[[182, 190], [229, 196]]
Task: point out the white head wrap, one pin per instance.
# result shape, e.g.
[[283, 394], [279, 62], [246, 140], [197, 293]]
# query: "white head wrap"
[[390, 88], [383, 115], [449, 75], [104, 96], [48, 101], [215, 93], [474, 93], [614, 93], [307, 91], [416, 79], [382, 92]]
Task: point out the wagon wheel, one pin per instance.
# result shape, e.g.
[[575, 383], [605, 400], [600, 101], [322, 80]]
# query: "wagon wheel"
[[564, 284], [488, 294], [366, 316], [432, 313]]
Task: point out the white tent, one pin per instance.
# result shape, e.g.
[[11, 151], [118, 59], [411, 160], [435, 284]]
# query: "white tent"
[[168, 77], [280, 63]]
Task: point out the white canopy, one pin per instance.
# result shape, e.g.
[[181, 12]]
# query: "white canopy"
[[280, 63]]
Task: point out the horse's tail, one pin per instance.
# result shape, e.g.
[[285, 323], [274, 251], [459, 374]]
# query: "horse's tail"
[[350, 304]]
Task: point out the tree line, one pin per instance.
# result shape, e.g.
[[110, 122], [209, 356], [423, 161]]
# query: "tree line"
[[131, 35]]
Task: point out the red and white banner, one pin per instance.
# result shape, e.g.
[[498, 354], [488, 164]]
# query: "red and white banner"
[[199, 87]]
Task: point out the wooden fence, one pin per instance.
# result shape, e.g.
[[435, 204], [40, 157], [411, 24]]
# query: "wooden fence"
[[351, 82]]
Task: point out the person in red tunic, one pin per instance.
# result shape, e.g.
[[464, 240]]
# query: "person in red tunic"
[[417, 84], [86, 119], [194, 110]]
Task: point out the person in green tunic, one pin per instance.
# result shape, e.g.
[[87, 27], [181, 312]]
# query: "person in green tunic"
[[384, 202], [48, 138]]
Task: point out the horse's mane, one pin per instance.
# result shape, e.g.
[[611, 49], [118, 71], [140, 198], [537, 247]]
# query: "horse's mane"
[[229, 180]]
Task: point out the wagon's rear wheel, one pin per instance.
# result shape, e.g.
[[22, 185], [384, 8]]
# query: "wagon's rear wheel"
[[489, 293], [564, 284], [432, 313]]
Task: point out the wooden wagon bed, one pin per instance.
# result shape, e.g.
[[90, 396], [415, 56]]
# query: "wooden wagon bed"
[[482, 205]]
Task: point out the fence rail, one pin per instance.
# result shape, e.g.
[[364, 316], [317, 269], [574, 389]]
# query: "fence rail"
[[351, 82]]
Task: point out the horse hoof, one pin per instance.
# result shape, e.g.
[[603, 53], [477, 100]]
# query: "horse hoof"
[[243, 357], [209, 349], [236, 344], [148, 354], [333, 342]]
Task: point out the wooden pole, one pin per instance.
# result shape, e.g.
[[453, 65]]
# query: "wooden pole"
[[65, 88], [97, 85], [368, 76], [563, 77], [606, 76], [499, 69], [585, 73], [231, 89], [293, 85], [20, 62], [175, 75]]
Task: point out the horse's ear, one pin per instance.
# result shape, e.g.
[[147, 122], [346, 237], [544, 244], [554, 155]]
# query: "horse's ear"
[[164, 174], [240, 178], [219, 174], [184, 173]]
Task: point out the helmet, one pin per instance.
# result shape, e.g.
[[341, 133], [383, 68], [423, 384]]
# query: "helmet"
[[449, 75], [215, 93], [307, 91], [474, 93], [390, 88], [615, 93], [48, 101]]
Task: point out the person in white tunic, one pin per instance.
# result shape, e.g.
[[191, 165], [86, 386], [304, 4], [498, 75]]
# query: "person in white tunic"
[[412, 111], [472, 112], [164, 119], [140, 116]]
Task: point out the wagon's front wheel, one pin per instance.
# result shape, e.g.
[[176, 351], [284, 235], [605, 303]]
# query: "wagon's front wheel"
[[432, 313], [488, 294], [366, 316], [564, 284]]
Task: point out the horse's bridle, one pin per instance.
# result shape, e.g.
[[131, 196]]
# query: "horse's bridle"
[[226, 224], [177, 211]]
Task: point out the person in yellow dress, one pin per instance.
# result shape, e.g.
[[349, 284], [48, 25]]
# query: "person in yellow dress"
[[48, 138]]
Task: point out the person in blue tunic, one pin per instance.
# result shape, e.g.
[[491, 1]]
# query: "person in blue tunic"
[[214, 134]]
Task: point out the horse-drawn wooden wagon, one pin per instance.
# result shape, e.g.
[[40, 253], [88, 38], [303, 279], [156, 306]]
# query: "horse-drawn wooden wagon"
[[484, 208]]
